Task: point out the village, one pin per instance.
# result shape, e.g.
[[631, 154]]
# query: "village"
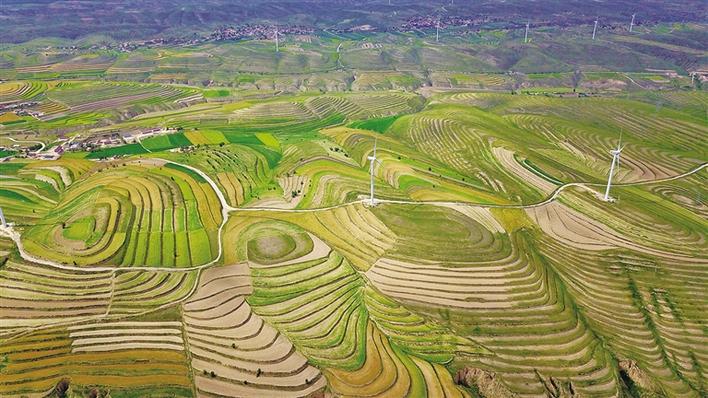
[[75, 143]]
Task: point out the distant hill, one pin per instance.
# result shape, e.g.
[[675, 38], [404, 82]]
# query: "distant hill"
[[136, 19]]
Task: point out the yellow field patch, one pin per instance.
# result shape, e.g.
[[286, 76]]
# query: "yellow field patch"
[[268, 140], [205, 137], [9, 117]]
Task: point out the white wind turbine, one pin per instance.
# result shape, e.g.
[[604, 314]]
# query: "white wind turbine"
[[631, 24], [594, 29], [3, 223], [372, 165], [615, 163], [526, 34], [277, 44]]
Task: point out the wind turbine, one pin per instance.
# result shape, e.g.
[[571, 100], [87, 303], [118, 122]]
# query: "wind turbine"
[[277, 44], [437, 31], [3, 223], [526, 35], [631, 24], [594, 30], [372, 165], [615, 162]]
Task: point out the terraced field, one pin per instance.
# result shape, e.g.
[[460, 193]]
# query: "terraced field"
[[136, 214], [238, 253]]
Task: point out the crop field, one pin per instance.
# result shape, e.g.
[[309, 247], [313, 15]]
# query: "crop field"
[[206, 240]]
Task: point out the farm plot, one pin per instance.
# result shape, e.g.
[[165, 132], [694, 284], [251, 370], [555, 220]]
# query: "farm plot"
[[243, 173], [91, 97], [639, 221], [141, 214], [125, 358], [589, 146], [124, 335], [409, 171], [135, 292], [35, 295], [497, 280], [90, 64], [273, 113], [389, 371], [363, 106], [464, 145], [660, 141], [234, 352], [689, 193], [25, 197], [58, 173], [352, 230], [22, 90], [631, 287], [321, 304], [320, 311]]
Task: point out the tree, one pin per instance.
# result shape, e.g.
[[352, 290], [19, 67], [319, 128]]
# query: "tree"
[[62, 388]]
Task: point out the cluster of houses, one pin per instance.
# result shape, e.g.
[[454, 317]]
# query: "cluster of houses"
[[90, 143], [21, 109], [249, 31], [137, 136]]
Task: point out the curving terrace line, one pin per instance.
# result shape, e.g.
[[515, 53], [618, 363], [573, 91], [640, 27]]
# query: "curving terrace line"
[[226, 209]]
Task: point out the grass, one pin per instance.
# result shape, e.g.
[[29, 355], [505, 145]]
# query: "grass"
[[81, 229], [379, 125], [10, 118], [123, 150], [218, 93]]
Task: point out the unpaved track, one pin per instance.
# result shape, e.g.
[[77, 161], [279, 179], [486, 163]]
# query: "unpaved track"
[[226, 209], [31, 142]]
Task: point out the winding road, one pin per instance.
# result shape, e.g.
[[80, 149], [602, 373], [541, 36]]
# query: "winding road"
[[226, 210], [30, 142]]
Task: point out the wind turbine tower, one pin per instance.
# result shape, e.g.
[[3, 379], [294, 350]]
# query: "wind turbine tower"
[[631, 24], [372, 165], [437, 31], [3, 223], [594, 30], [277, 43], [615, 163], [526, 35]]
